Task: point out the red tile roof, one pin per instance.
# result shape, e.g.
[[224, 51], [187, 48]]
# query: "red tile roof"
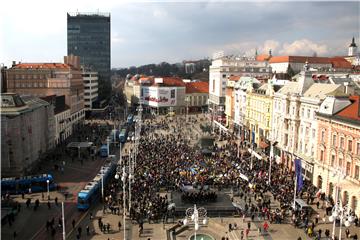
[[299, 59], [42, 65], [262, 57], [340, 62], [353, 110], [171, 81], [197, 87]]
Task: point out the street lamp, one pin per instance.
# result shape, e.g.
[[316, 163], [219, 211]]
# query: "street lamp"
[[48, 189], [195, 215], [123, 179], [108, 145], [339, 172], [342, 213]]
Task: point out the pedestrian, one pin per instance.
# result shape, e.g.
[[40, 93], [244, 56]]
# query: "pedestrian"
[[15, 234], [327, 233], [319, 233], [79, 231], [242, 234], [108, 227], [22, 195], [317, 204], [87, 230], [56, 201], [48, 204], [73, 223], [347, 232], [355, 237], [266, 226], [42, 196], [247, 232], [249, 225], [119, 225], [230, 227]]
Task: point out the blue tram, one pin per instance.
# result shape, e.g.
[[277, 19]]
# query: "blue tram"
[[92, 191], [123, 134], [37, 183], [103, 151]]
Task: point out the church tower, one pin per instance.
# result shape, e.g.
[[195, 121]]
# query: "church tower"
[[352, 48]]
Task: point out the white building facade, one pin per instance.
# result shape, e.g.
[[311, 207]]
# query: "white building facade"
[[90, 88]]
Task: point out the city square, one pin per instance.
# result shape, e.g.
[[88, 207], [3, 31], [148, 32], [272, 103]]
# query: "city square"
[[203, 120]]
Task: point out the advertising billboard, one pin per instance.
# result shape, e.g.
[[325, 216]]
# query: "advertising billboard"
[[159, 96]]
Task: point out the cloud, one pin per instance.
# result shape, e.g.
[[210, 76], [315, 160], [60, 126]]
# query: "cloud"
[[159, 13], [268, 45], [115, 38], [303, 47]]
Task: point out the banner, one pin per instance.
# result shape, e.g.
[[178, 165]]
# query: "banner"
[[299, 180], [158, 96]]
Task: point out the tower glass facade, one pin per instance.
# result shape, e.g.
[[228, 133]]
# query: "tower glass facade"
[[88, 36]]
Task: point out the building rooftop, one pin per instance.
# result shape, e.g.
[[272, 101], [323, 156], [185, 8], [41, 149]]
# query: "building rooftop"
[[13, 105], [263, 57], [351, 112], [88, 14], [197, 87], [340, 62], [41, 66], [299, 59], [320, 90]]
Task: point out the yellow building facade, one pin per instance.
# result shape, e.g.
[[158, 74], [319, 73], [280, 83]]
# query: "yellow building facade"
[[259, 105]]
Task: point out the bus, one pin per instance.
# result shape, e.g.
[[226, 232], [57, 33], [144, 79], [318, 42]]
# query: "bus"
[[123, 134], [37, 183], [92, 191], [104, 150]]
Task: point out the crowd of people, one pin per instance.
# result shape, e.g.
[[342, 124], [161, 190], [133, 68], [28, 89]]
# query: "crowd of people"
[[167, 160]]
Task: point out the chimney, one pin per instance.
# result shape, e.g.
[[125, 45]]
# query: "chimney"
[[13, 63]]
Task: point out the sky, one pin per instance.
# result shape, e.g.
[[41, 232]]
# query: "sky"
[[155, 31]]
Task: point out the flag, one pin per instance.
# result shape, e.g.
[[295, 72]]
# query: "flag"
[[299, 180]]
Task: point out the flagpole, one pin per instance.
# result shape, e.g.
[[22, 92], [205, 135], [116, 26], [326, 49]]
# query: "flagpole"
[[295, 188]]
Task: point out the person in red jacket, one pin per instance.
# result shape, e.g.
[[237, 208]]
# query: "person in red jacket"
[[266, 226]]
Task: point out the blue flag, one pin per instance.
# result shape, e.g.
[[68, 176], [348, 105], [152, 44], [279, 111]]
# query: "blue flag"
[[299, 180]]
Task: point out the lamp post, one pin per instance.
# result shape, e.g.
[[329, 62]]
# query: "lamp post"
[[63, 220], [48, 189], [339, 172], [123, 179], [108, 145], [197, 216], [342, 213]]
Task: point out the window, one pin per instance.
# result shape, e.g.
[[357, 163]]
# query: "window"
[[321, 155], [358, 148], [356, 172], [308, 113], [350, 145], [302, 112], [342, 142], [322, 136], [332, 160], [313, 133], [348, 165], [334, 140], [340, 162], [224, 75]]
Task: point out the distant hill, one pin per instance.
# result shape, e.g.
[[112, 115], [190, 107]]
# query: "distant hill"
[[165, 69]]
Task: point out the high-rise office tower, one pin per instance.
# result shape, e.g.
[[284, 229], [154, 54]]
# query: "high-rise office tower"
[[88, 36]]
